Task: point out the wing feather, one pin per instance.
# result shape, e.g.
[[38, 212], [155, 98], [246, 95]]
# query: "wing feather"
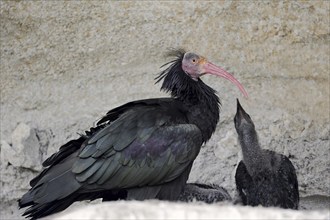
[[177, 147], [87, 151], [81, 165], [99, 173], [112, 169], [82, 177], [143, 146]]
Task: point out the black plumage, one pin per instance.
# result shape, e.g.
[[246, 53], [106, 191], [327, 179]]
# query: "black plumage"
[[204, 193], [263, 177], [141, 150]]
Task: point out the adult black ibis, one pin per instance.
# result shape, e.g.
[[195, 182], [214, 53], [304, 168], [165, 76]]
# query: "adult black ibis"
[[141, 150], [263, 177]]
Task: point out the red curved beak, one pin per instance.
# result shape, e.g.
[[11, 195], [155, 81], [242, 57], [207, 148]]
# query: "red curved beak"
[[215, 70]]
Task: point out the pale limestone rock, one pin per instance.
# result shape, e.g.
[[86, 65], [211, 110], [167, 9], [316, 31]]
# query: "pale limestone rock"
[[24, 151]]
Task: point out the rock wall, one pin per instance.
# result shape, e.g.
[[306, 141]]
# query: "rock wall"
[[65, 63]]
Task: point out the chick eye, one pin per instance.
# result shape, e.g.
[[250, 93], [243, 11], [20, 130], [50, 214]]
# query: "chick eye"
[[194, 60]]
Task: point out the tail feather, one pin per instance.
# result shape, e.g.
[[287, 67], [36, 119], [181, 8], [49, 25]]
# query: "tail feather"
[[43, 209], [54, 188], [56, 185]]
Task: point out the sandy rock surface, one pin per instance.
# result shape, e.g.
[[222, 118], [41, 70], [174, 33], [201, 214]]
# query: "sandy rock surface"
[[66, 63], [167, 210]]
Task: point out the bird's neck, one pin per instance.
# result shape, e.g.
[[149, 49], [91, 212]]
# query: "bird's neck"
[[253, 157], [203, 106], [201, 101]]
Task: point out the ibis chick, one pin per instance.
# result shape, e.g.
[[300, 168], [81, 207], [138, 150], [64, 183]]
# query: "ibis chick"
[[263, 177]]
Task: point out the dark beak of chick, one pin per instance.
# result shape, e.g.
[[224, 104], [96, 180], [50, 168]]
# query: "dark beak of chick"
[[240, 114]]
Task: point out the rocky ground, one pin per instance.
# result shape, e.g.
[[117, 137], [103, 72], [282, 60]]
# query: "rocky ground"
[[65, 64], [166, 210]]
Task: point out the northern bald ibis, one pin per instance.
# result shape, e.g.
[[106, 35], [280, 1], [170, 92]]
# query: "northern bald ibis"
[[141, 150], [263, 177]]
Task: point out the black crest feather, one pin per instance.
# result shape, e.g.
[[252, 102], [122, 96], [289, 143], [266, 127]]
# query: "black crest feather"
[[179, 84], [174, 64]]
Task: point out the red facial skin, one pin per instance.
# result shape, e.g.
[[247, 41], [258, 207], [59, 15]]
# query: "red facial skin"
[[196, 66]]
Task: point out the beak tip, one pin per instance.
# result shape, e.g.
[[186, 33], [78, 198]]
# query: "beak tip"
[[245, 94], [238, 103], [239, 107]]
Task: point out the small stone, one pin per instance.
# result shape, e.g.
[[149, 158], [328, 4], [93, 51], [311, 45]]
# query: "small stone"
[[24, 151]]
